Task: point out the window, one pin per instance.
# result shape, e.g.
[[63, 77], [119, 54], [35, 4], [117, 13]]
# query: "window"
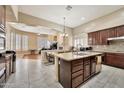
[[12, 41], [24, 42], [43, 43], [78, 41], [81, 40], [18, 42]]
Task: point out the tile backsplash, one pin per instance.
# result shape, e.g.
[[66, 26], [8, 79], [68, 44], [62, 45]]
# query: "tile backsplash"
[[116, 45]]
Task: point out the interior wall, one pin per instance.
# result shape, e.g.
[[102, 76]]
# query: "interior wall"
[[114, 19], [15, 11]]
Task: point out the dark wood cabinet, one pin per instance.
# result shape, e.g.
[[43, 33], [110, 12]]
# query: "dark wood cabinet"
[[103, 37], [74, 73], [86, 71], [90, 39], [86, 68], [112, 32], [120, 31], [115, 59], [77, 81], [93, 65], [100, 37], [93, 38]]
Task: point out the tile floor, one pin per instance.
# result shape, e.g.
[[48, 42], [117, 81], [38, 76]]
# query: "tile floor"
[[33, 74]]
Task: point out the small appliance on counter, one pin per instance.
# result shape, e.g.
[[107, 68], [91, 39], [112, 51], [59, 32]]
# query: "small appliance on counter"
[[85, 48]]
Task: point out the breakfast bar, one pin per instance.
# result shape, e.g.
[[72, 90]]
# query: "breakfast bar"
[[73, 69]]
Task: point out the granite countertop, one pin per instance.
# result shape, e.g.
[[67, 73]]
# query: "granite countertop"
[[53, 50], [108, 51], [73, 56]]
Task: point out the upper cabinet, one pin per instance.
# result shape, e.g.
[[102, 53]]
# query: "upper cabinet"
[[103, 37], [90, 38], [2, 17], [100, 37], [112, 32], [120, 31]]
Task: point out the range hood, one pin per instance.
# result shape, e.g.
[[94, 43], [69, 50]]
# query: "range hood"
[[116, 38]]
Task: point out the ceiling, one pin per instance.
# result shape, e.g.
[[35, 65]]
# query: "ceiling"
[[33, 29], [79, 14]]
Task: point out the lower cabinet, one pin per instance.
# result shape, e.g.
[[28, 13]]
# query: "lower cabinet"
[[115, 59], [93, 65], [74, 73], [77, 81], [86, 71]]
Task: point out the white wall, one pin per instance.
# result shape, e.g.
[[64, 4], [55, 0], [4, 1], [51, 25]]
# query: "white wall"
[[15, 10], [114, 19]]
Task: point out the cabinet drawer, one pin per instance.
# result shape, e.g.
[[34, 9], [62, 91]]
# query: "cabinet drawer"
[[76, 63], [77, 81], [87, 62], [77, 68], [77, 73]]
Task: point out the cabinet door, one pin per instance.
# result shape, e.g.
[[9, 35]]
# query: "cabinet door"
[[94, 38], [120, 31], [116, 60], [97, 38], [90, 39], [77, 81], [112, 32], [86, 71], [93, 65], [104, 37]]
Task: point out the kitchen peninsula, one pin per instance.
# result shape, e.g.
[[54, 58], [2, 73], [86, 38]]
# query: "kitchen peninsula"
[[74, 68]]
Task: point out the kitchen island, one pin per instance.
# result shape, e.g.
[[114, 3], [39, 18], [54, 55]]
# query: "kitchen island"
[[74, 68]]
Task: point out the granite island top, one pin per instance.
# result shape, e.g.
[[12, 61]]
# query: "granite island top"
[[73, 55], [108, 51], [56, 50]]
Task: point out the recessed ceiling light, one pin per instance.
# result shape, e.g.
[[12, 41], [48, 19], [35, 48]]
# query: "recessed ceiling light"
[[68, 7], [82, 18]]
